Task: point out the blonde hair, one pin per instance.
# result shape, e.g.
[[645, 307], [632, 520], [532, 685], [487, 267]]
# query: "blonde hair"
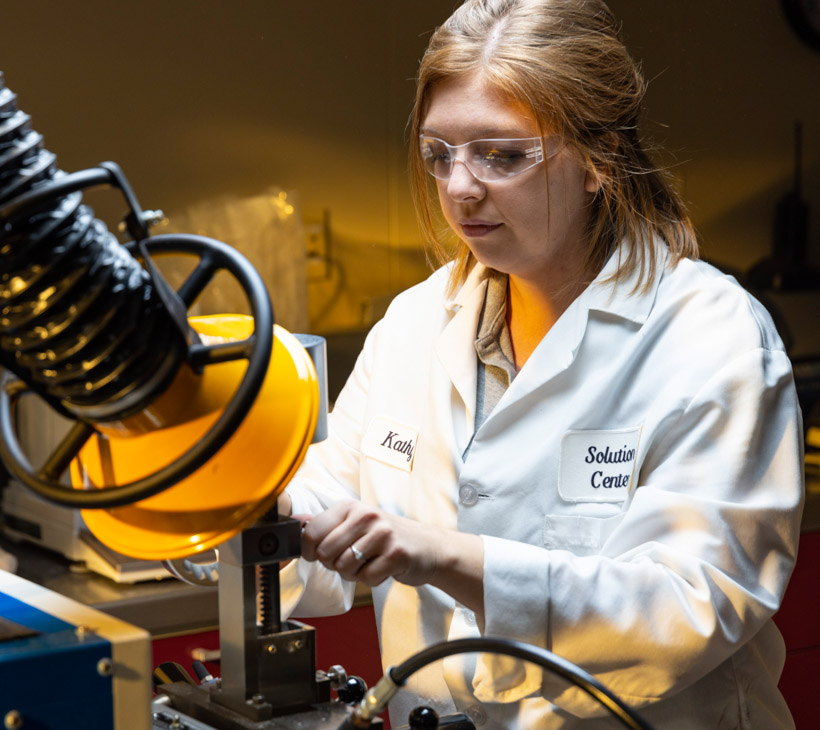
[[564, 61]]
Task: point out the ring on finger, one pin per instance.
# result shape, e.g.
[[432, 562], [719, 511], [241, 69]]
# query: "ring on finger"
[[358, 554]]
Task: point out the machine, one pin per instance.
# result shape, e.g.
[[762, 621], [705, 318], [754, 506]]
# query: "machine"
[[60, 659], [27, 518], [162, 408]]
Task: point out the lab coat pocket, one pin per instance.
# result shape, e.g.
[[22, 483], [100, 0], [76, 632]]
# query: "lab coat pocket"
[[579, 534]]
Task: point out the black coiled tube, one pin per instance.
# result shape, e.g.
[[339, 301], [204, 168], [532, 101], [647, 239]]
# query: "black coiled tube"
[[80, 318]]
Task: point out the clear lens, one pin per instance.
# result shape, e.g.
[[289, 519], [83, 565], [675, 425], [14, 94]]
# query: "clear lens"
[[487, 159]]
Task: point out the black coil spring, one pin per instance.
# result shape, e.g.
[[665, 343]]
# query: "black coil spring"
[[80, 319]]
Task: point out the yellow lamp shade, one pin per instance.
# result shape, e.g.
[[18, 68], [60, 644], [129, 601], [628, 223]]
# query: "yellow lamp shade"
[[236, 486]]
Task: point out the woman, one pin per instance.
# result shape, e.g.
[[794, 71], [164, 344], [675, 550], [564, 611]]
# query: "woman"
[[574, 433]]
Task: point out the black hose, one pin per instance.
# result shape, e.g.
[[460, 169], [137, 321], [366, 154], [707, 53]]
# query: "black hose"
[[81, 320], [543, 658]]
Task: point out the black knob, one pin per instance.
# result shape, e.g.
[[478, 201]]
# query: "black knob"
[[423, 718], [352, 690], [202, 673]]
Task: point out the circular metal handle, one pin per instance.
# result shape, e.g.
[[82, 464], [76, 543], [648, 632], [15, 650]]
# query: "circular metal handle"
[[213, 256]]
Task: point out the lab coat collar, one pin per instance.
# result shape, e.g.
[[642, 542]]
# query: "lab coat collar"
[[476, 279], [558, 349], [617, 299], [621, 299], [456, 343]]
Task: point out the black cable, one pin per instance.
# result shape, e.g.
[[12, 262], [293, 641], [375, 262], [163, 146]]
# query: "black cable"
[[399, 675]]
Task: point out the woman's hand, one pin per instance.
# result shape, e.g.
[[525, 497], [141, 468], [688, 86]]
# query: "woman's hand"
[[389, 546], [365, 543]]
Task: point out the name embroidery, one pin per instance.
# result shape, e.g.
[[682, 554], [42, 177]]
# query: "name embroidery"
[[403, 447], [391, 443], [597, 466]]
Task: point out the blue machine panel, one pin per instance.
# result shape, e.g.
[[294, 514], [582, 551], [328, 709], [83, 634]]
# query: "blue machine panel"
[[51, 672]]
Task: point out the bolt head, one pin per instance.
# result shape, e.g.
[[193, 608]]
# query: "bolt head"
[[268, 544], [295, 645]]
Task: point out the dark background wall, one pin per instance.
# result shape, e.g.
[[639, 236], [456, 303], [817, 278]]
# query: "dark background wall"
[[728, 80], [201, 98]]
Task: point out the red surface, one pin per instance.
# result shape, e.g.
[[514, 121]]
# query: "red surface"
[[350, 640], [179, 648], [799, 622]]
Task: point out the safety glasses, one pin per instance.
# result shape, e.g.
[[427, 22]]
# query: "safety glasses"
[[488, 160]]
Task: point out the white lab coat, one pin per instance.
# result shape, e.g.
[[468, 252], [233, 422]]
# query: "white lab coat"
[[638, 490]]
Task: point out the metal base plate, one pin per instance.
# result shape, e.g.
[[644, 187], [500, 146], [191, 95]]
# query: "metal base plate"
[[193, 710]]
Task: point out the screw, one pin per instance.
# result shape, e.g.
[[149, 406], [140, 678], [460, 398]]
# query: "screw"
[[105, 667], [268, 544], [295, 645], [13, 720], [153, 217], [337, 676], [271, 649], [148, 217]]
